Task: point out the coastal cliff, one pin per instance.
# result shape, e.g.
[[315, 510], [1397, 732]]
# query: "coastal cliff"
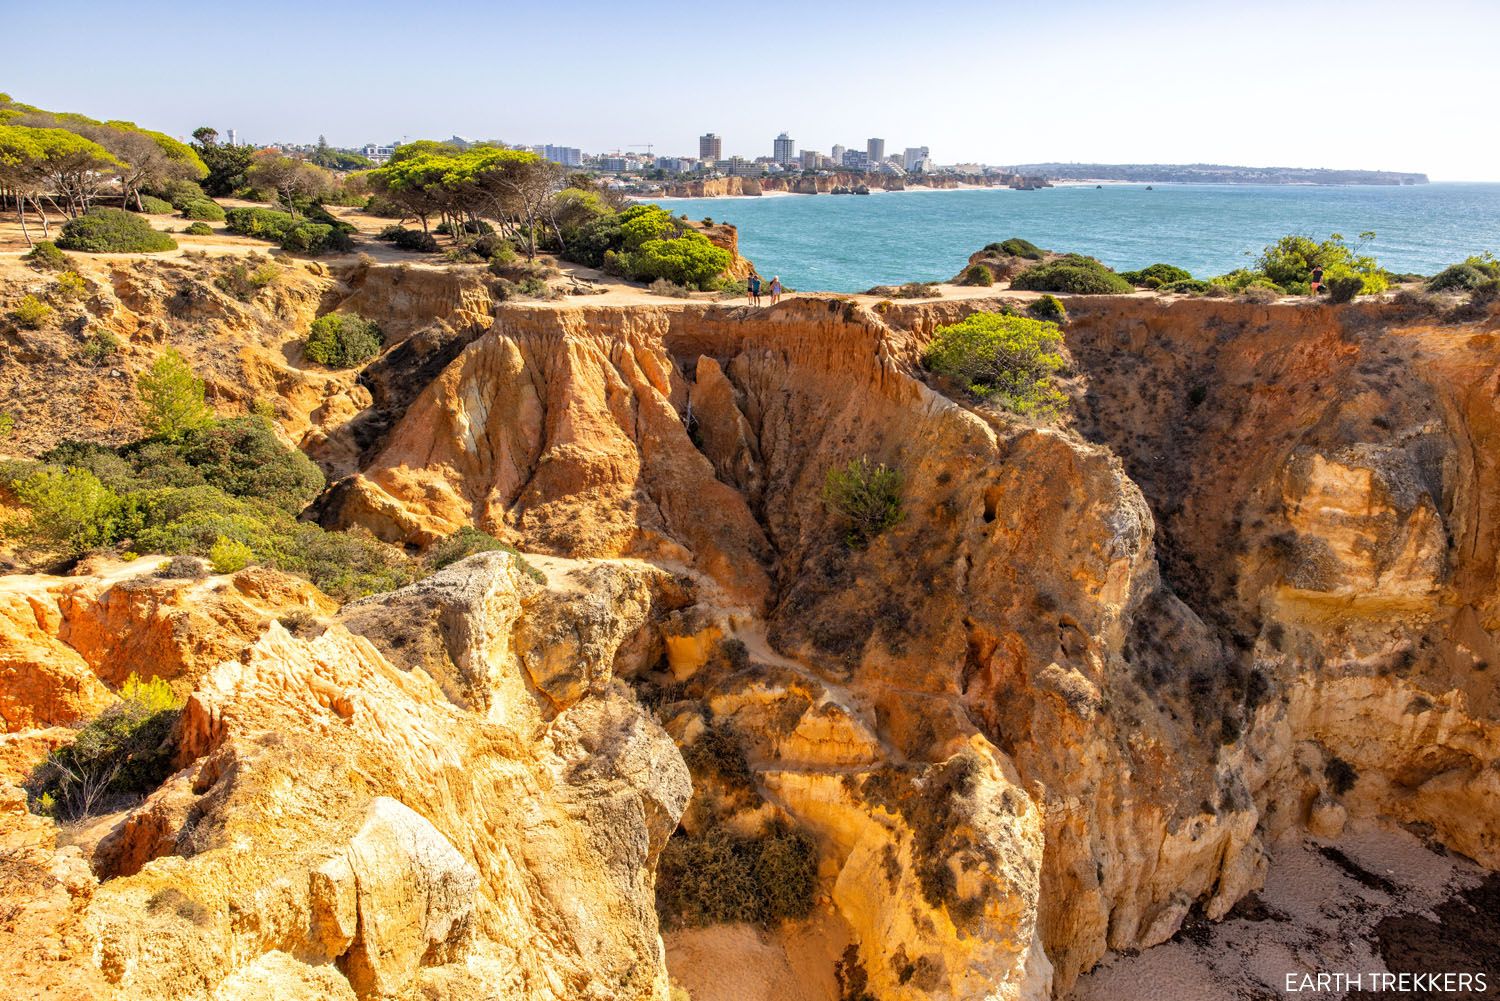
[[1069, 701]]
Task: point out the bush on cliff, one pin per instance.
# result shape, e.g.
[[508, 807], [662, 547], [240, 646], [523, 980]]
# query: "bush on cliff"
[[866, 495], [689, 260], [343, 340], [1049, 308], [413, 240], [1017, 247], [294, 233], [1156, 275], [123, 753], [715, 877], [1345, 288], [1288, 263], [1466, 275], [977, 274], [199, 229], [1072, 274], [1009, 360], [113, 231], [46, 257]]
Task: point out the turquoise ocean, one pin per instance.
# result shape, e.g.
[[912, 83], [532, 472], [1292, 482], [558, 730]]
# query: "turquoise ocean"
[[848, 243]]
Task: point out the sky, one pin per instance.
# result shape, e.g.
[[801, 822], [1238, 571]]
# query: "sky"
[[1373, 85]]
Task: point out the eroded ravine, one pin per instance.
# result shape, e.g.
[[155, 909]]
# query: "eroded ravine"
[[1019, 741]]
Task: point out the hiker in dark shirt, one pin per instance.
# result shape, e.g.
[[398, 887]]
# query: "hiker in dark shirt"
[[754, 284], [1317, 279]]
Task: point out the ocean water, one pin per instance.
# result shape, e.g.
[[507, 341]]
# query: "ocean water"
[[847, 243]]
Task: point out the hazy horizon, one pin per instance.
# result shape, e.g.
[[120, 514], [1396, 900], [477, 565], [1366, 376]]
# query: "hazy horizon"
[[1336, 85]]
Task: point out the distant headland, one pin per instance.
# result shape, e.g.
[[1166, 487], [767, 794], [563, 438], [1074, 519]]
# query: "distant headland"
[[1211, 173]]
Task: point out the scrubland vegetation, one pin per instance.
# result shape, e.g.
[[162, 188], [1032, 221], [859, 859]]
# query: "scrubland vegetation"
[[1003, 359]]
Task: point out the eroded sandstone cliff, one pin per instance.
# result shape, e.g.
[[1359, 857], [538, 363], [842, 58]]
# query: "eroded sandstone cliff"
[[1067, 700]]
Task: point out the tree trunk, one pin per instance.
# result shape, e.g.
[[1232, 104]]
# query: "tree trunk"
[[21, 215]]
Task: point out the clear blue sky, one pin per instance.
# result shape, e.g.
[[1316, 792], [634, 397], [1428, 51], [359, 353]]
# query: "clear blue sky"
[[1384, 85]]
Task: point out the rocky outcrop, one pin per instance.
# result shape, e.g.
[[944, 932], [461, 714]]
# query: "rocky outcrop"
[[1248, 589], [1160, 738], [400, 842]]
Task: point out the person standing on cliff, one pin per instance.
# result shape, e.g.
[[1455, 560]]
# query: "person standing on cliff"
[[753, 282], [775, 289], [1317, 279]]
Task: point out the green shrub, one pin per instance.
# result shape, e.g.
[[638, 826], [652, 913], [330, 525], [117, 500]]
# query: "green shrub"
[[180, 192], [70, 286], [1017, 247], [495, 248], [172, 398], [199, 229], [113, 231], [99, 346], [1462, 277], [1156, 275], [1049, 308], [1242, 278], [203, 210], [123, 753], [260, 224], [1007, 359], [244, 282], [229, 555], [7, 423], [68, 510], [714, 877], [689, 260], [977, 274], [46, 257], [866, 495], [243, 457], [1073, 274], [316, 238], [1188, 286], [155, 206], [31, 313], [342, 340], [1288, 263], [409, 239], [1345, 288]]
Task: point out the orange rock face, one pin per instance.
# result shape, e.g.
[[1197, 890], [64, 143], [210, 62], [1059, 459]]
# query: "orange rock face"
[[1247, 589]]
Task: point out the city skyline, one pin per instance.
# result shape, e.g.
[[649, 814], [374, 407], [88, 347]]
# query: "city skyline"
[[1263, 86]]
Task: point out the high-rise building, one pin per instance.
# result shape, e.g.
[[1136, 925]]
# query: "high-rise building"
[[914, 155], [875, 150], [233, 136], [811, 159], [855, 159], [784, 149], [837, 155], [568, 156], [710, 147]]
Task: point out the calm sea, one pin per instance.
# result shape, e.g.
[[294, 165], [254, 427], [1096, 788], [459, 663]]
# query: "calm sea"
[[847, 243]]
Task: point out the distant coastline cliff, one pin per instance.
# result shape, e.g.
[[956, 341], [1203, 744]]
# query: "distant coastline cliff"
[[1213, 173]]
